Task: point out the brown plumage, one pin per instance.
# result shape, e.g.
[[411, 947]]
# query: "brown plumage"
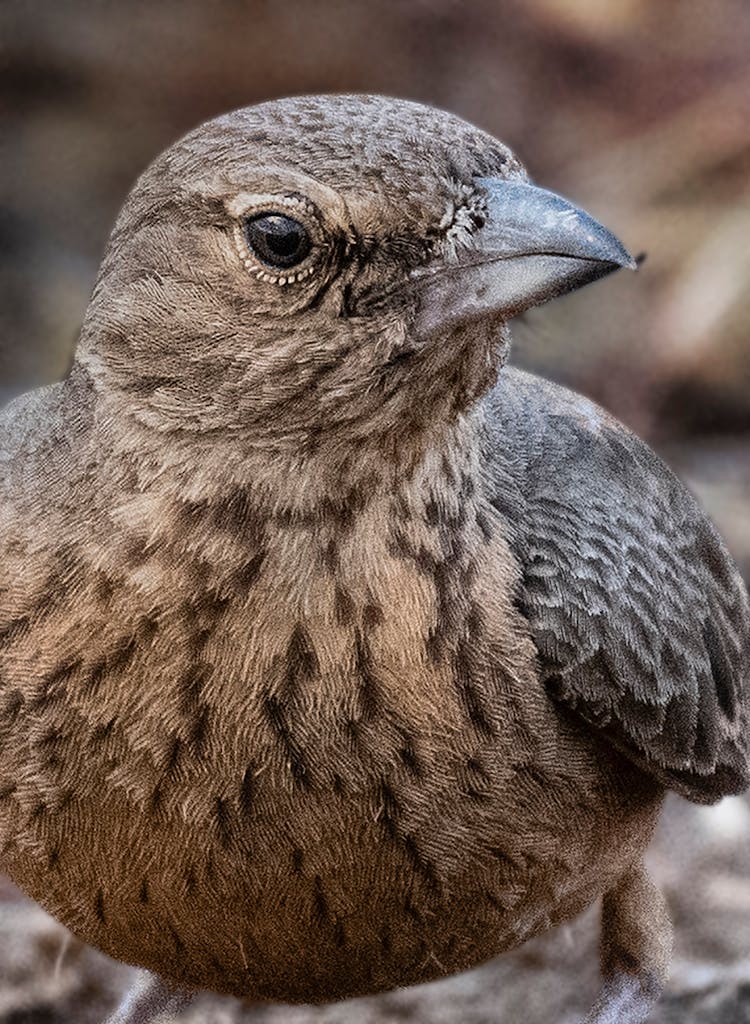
[[330, 659]]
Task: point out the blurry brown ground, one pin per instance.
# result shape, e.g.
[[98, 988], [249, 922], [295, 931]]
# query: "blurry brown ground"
[[639, 110]]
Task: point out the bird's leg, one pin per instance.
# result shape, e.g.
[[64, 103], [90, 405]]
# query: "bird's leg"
[[148, 997], [636, 947]]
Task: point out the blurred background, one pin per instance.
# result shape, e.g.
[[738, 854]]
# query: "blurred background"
[[640, 111]]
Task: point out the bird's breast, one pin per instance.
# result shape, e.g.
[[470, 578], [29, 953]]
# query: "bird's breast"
[[315, 763]]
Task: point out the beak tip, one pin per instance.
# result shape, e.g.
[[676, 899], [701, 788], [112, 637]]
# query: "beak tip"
[[602, 244], [627, 260], [611, 250]]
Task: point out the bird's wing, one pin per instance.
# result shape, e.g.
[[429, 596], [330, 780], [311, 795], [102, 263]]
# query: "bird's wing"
[[639, 615]]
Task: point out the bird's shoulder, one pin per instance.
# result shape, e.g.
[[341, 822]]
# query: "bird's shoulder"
[[639, 614], [46, 460], [43, 433]]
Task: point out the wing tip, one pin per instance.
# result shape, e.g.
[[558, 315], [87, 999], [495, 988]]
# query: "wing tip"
[[723, 780]]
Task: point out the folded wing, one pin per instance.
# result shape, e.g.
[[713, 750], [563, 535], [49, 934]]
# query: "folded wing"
[[638, 613]]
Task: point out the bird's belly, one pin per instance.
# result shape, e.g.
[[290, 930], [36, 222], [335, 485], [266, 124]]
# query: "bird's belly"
[[310, 894]]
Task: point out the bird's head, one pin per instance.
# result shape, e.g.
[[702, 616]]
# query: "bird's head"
[[325, 278]]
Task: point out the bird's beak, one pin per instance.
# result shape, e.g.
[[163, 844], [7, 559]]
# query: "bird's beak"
[[533, 246]]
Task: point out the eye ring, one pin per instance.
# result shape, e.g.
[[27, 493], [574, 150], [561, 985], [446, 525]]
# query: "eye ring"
[[297, 209]]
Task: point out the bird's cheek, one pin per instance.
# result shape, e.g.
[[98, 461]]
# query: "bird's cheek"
[[260, 299]]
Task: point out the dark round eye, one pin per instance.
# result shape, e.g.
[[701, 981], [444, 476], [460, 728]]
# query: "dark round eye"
[[278, 240]]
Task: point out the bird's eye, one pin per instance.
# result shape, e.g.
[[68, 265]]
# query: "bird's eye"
[[278, 240]]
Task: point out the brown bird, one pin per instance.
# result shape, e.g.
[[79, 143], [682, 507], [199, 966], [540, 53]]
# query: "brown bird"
[[334, 656]]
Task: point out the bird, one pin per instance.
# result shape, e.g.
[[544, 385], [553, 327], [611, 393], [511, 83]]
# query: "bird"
[[336, 654]]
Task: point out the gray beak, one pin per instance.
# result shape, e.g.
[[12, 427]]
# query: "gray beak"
[[534, 246]]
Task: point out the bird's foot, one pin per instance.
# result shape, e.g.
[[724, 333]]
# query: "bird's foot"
[[624, 999], [635, 950], [146, 999]]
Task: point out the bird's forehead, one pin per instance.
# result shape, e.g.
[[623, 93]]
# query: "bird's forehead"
[[359, 145]]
